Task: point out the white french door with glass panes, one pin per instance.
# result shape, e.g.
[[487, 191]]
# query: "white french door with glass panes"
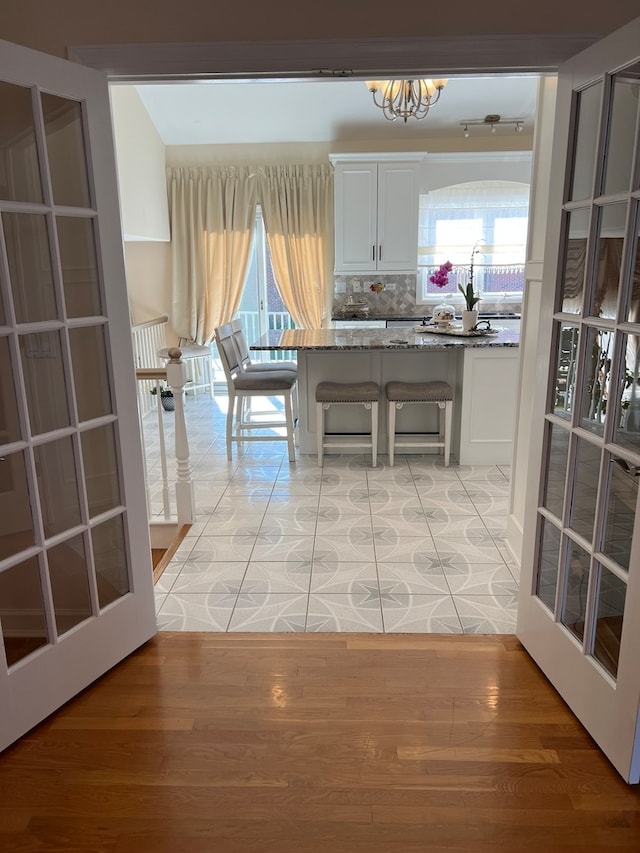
[[261, 307], [76, 588], [579, 611]]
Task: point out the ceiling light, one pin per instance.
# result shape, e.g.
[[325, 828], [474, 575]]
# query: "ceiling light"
[[405, 98], [492, 120]]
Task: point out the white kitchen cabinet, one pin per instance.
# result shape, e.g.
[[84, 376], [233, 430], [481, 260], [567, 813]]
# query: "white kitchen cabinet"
[[376, 212]]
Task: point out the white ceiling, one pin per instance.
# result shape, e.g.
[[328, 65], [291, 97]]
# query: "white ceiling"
[[277, 111]]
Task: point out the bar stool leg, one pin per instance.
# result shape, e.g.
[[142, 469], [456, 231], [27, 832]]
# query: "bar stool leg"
[[374, 434], [289, 419], [231, 404], [448, 417], [320, 431], [391, 430]]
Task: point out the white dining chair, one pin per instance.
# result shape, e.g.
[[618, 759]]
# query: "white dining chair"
[[243, 385]]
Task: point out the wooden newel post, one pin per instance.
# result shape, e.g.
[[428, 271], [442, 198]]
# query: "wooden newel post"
[[185, 495]]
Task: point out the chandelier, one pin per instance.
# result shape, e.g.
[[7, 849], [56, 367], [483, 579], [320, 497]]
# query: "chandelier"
[[405, 98]]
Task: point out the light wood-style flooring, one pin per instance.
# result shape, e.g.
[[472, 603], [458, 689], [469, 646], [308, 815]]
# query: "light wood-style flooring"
[[340, 743]]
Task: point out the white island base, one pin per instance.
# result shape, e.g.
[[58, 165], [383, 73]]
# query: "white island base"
[[484, 410]]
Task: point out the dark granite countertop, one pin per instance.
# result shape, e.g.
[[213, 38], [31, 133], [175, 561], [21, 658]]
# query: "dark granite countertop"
[[378, 339], [419, 317]]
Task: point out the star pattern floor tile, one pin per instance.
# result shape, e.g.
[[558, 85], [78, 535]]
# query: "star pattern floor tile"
[[291, 547]]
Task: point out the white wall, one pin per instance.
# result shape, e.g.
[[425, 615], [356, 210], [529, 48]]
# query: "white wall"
[[447, 169], [140, 155]]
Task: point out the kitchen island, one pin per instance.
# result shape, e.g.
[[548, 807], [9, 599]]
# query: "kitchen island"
[[483, 372]]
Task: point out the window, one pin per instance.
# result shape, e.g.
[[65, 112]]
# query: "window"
[[491, 216]]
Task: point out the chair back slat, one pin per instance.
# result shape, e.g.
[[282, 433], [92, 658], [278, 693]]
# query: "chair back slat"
[[227, 352], [241, 343]]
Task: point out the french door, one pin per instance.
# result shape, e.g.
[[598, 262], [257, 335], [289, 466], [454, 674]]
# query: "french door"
[[261, 307], [76, 590], [579, 612]]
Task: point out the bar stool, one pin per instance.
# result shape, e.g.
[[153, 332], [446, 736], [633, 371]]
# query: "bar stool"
[[242, 385], [247, 365], [191, 354], [438, 393], [329, 394]]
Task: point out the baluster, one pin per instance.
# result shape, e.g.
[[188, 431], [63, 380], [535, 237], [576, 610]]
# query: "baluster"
[[185, 495]]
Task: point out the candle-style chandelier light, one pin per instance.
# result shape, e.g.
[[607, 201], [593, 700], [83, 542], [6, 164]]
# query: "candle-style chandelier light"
[[405, 98]]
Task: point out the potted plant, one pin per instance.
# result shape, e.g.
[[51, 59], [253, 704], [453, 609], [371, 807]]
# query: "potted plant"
[[470, 314], [166, 397]]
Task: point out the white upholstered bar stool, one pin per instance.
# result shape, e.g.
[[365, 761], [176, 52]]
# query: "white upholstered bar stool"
[[245, 356], [242, 385], [437, 393], [193, 353], [329, 394], [247, 364]]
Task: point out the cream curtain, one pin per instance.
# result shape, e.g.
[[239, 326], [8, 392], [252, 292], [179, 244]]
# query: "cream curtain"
[[297, 206], [212, 214]]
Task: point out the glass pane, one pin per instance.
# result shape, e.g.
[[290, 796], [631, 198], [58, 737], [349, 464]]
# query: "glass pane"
[[69, 583], [44, 381], [90, 374], [611, 227], [628, 398], [575, 258], [588, 117], [611, 599], [79, 267], [9, 423], [632, 312], [566, 371], [547, 580], [624, 112], [585, 488], [110, 559], [57, 486], [16, 521], [100, 469], [18, 146], [30, 275], [597, 378], [577, 582], [622, 498], [66, 150], [558, 449], [23, 623]]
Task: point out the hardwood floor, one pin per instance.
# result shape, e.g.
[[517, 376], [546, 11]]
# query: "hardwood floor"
[[340, 743]]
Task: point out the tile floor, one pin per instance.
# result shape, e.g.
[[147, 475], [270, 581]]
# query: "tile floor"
[[281, 546]]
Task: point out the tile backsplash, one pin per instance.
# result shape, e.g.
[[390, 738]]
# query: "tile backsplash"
[[396, 299]]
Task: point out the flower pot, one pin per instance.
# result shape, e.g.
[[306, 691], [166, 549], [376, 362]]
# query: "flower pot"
[[168, 403], [469, 319]]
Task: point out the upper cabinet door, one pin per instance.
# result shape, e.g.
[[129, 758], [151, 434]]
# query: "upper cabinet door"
[[356, 213], [376, 214], [398, 185]]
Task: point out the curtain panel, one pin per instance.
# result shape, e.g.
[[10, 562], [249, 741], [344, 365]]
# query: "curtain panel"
[[297, 207], [212, 212]]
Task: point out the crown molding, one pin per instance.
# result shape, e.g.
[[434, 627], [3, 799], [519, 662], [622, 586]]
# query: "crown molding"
[[331, 58]]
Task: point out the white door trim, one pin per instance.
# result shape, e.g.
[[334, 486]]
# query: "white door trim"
[[533, 54]]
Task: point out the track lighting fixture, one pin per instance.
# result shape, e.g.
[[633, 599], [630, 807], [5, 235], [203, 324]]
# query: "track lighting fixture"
[[492, 120]]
